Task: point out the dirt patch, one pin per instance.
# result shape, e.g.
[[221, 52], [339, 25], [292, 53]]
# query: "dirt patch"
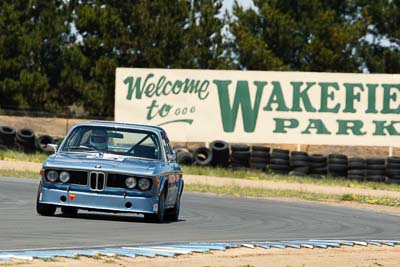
[[345, 256]]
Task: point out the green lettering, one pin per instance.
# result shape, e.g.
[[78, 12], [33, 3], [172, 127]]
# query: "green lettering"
[[381, 128], [371, 98], [131, 87], [326, 95], [276, 98], [242, 99], [351, 96], [353, 125], [302, 95], [316, 124], [389, 95], [282, 124]]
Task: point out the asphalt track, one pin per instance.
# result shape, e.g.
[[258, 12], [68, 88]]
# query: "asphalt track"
[[204, 218]]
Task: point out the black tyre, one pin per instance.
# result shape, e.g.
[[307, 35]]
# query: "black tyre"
[[173, 214], [260, 154], [69, 211], [394, 166], [7, 136], [360, 172], [258, 166], [296, 173], [25, 140], [337, 161], [202, 156], [337, 167], [278, 161], [259, 160], [357, 165], [393, 160], [220, 151], [375, 172], [298, 153], [393, 181], [159, 216], [319, 171], [375, 167], [240, 147], [317, 158], [264, 149], [314, 165], [241, 155], [375, 161], [303, 169], [277, 167], [43, 141], [297, 163], [337, 156], [44, 209], [184, 157], [280, 153]]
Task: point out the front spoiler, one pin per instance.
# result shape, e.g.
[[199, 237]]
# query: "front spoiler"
[[98, 201]]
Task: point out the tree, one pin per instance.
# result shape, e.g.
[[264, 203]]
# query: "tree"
[[31, 39], [381, 47], [306, 35]]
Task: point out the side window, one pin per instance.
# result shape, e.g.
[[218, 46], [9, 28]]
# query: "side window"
[[166, 144]]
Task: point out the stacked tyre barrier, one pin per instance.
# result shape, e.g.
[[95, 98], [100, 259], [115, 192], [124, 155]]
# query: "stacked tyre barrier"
[[337, 165], [24, 139], [318, 165], [393, 170], [299, 163], [376, 170], [259, 158], [280, 161], [240, 155], [356, 169]]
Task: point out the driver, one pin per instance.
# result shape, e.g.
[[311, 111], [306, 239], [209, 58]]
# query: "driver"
[[98, 139]]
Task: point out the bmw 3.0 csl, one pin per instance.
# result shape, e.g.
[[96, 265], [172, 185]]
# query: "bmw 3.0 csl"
[[112, 167]]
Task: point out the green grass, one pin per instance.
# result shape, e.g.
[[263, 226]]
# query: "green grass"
[[269, 176], [22, 156], [238, 191], [19, 174]]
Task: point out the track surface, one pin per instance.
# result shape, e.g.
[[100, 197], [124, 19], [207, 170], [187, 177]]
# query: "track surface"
[[203, 218]]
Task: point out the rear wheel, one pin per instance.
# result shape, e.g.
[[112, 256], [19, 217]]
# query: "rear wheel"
[[69, 211], [159, 216], [44, 209]]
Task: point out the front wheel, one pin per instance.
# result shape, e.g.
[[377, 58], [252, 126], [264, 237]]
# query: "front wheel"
[[159, 216], [44, 209], [173, 214]]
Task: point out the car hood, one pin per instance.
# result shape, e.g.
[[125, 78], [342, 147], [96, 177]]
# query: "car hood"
[[104, 162]]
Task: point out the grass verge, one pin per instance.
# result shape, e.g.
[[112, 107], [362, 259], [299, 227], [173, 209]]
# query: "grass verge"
[[269, 176], [19, 174], [22, 156], [238, 191]]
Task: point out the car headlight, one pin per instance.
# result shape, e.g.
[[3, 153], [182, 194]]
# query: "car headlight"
[[130, 182], [52, 176], [64, 177], [144, 184]]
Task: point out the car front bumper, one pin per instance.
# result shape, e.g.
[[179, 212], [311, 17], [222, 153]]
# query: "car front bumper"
[[98, 201]]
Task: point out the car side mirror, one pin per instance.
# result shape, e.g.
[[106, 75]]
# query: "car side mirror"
[[172, 157], [52, 148]]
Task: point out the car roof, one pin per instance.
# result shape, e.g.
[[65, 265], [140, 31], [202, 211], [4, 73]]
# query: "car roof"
[[123, 125]]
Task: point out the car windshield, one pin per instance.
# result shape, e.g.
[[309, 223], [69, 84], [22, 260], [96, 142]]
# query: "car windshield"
[[129, 142]]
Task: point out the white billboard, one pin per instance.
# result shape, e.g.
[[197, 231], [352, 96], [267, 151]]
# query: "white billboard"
[[262, 106]]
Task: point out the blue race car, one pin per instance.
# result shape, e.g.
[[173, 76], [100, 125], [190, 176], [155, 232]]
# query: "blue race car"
[[112, 167]]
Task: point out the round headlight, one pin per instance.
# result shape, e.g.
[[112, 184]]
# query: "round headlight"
[[52, 176], [144, 184], [64, 177], [130, 182]]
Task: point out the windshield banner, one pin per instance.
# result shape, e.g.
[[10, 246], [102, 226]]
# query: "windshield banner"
[[262, 106]]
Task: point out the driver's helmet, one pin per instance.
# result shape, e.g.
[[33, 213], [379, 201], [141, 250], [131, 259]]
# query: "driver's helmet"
[[98, 139]]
